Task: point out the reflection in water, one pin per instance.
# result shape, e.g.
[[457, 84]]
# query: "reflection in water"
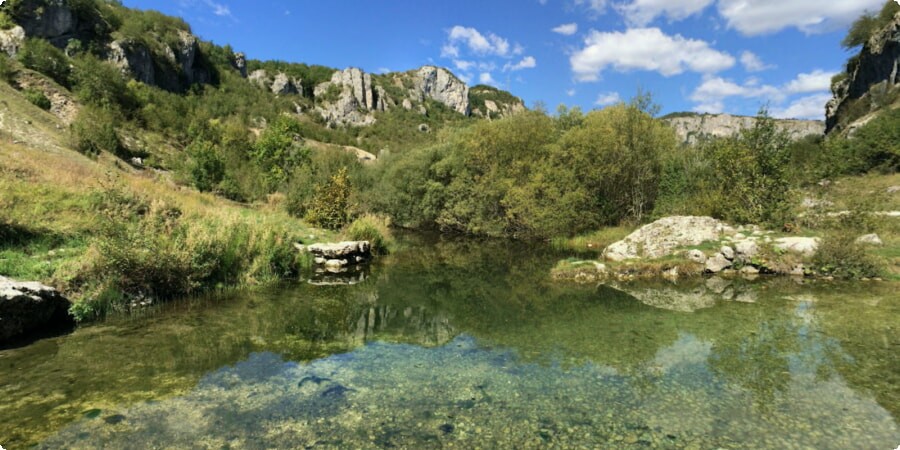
[[468, 343]]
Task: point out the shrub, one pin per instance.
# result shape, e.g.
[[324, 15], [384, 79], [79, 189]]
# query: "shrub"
[[372, 228], [840, 256], [98, 83], [6, 22], [207, 169], [331, 205], [37, 98], [94, 131], [276, 152], [876, 145], [41, 56], [7, 68]]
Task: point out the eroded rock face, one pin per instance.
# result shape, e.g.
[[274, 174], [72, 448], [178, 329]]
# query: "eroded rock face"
[[878, 64], [53, 20], [355, 100], [694, 129], [11, 40], [29, 306], [240, 64], [176, 70], [662, 237], [441, 85], [134, 60]]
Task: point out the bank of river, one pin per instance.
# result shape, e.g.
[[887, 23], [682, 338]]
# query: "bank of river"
[[465, 344]]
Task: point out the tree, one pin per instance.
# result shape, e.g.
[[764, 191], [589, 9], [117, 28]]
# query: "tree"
[[331, 205]]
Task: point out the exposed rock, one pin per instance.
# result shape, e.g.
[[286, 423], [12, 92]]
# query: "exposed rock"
[[893, 189], [11, 40], [26, 307], [870, 239], [407, 105], [662, 237], [240, 64], [805, 246], [876, 67], [746, 250], [717, 263], [727, 252], [693, 129], [355, 100], [260, 78], [134, 60], [176, 70], [749, 270], [337, 256], [441, 85], [53, 20], [696, 256], [282, 85]]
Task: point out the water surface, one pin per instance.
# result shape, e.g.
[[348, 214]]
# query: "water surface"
[[454, 344]]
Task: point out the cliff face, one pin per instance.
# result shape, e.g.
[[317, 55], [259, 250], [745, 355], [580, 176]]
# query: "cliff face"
[[695, 128], [870, 81]]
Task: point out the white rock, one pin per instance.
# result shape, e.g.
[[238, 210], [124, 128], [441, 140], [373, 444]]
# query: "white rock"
[[696, 256], [805, 246], [870, 239], [663, 237], [717, 263], [727, 252], [746, 250]]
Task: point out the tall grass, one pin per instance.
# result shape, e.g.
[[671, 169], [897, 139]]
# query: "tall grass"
[[375, 229]]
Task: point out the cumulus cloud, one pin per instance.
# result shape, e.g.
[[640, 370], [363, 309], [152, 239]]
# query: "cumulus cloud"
[[527, 62], [754, 17], [478, 43], [608, 98], [714, 89], [486, 78], [753, 63], [597, 6], [642, 12], [815, 81], [566, 29], [809, 107], [645, 49]]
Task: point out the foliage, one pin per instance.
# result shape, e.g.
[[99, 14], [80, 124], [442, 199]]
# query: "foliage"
[[311, 75], [98, 83], [207, 169], [752, 174], [480, 93], [868, 24], [331, 207], [94, 131], [874, 146], [41, 56], [6, 22], [7, 68], [277, 153], [840, 256], [372, 228], [37, 98]]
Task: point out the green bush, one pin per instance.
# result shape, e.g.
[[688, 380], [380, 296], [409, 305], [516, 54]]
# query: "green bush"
[[868, 24], [840, 256], [331, 204], [98, 83], [7, 68], [277, 153], [94, 131], [41, 56], [874, 146], [6, 22], [372, 228], [207, 169], [37, 98]]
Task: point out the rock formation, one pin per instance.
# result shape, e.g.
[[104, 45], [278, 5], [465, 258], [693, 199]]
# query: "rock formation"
[[279, 84], [441, 85], [694, 128], [876, 70], [11, 40], [337, 257], [356, 98], [26, 307], [660, 238]]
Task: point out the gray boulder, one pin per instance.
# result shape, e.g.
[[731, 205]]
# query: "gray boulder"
[[717, 263], [30, 306], [11, 40], [441, 85], [663, 237], [806, 246], [870, 239], [336, 256]]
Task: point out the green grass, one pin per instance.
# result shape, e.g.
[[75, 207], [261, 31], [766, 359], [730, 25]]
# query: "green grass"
[[594, 241]]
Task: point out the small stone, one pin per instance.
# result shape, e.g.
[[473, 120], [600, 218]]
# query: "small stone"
[[749, 270], [727, 252], [870, 239], [697, 256], [717, 263]]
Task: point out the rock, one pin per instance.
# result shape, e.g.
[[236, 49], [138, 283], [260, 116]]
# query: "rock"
[[134, 60], [875, 68], [727, 252], [693, 129], [441, 85], [805, 246], [424, 128], [749, 270], [407, 105], [182, 65], [282, 85], [30, 306], [696, 256], [54, 20], [355, 100], [746, 250], [11, 40], [662, 237], [240, 64], [870, 239], [893, 189], [717, 263], [798, 270], [260, 78], [340, 254]]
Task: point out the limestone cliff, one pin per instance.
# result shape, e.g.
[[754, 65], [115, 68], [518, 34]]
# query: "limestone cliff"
[[870, 82], [694, 128]]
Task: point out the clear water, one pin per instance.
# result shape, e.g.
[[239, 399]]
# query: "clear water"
[[469, 345]]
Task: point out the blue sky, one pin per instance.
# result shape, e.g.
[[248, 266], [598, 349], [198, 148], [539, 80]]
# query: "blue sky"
[[692, 55]]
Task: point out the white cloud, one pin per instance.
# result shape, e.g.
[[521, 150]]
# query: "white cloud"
[[597, 6], [714, 107], [713, 90], [608, 98], [218, 9], [571, 92], [463, 64], [642, 12], [566, 29], [383, 70], [815, 81], [810, 107], [645, 49], [752, 62], [486, 78], [478, 43], [527, 62], [449, 51], [754, 17]]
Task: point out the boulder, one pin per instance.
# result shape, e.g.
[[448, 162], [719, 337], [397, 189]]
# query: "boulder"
[[727, 252], [30, 306], [663, 237], [870, 239], [697, 256], [717, 263], [11, 40], [240, 64], [341, 254], [283, 85], [806, 246], [746, 250]]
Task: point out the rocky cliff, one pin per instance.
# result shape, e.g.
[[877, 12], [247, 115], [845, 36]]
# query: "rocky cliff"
[[694, 128], [870, 81]]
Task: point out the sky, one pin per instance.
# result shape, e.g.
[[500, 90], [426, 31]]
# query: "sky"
[[732, 56]]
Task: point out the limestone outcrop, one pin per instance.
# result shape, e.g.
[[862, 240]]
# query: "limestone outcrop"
[[349, 98], [30, 306], [871, 74], [660, 238], [11, 40], [695, 128], [441, 85], [279, 83], [179, 67], [337, 257]]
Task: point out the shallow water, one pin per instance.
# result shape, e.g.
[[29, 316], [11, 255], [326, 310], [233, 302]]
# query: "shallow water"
[[455, 344]]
